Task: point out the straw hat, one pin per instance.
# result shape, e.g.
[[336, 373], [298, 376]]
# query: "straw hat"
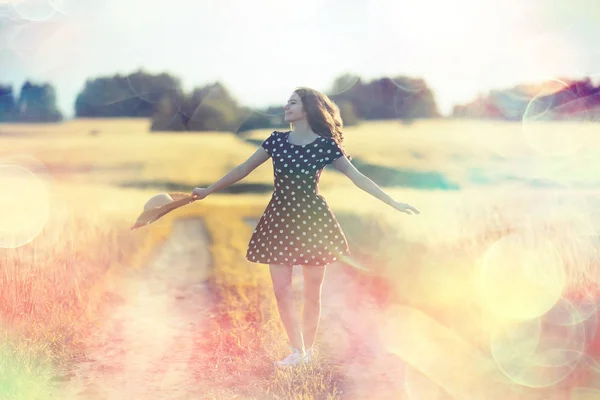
[[161, 204], [159, 200]]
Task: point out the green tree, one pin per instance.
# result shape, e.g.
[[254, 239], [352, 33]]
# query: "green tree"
[[37, 103]]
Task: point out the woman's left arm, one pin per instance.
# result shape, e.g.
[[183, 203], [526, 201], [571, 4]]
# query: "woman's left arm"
[[344, 165]]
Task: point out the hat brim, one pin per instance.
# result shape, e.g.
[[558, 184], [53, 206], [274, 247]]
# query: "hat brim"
[[153, 214]]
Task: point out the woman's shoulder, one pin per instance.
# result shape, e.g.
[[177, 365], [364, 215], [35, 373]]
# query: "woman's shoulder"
[[276, 135]]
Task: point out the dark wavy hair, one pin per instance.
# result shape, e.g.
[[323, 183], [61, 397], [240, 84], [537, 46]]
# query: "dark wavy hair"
[[323, 115]]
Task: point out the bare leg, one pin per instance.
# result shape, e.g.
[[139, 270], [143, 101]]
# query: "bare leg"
[[282, 285], [313, 283]]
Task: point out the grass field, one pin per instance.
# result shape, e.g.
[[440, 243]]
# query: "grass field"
[[518, 238]]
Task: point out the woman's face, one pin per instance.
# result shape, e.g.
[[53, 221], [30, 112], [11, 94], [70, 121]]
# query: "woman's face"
[[293, 110]]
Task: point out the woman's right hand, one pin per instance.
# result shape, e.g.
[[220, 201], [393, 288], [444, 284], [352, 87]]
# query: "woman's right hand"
[[199, 193]]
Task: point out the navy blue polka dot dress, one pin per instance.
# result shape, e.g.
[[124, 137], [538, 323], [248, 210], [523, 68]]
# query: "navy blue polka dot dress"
[[298, 227]]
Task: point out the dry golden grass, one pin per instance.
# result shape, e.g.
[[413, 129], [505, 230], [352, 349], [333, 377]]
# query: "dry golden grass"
[[460, 149], [53, 289], [79, 127], [181, 159], [435, 275], [463, 152]]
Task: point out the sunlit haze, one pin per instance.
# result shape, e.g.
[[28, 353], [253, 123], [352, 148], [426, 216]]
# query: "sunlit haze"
[[262, 49]]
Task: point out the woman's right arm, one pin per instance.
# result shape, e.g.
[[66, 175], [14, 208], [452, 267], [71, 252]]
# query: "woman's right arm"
[[236, 174]]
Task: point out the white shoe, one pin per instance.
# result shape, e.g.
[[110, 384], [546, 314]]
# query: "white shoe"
[[296, 358]]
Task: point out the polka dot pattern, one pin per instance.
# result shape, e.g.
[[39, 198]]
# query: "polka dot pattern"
[[297, 226]]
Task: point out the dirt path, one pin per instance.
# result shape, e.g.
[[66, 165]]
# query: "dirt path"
[[145, 348], [150, 347]]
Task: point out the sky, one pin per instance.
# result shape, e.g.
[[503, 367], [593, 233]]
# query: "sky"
[[262, 49]]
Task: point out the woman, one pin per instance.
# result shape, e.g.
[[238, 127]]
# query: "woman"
[[298, 227]]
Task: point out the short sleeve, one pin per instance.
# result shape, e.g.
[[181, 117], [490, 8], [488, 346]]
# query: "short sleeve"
[[334, 152], [269, 143]]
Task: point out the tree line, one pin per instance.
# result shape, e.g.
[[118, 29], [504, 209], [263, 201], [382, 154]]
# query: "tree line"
[[35, 103], [560, 99], [161, 98]]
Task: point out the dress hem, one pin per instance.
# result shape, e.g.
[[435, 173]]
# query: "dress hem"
[[346, 254]]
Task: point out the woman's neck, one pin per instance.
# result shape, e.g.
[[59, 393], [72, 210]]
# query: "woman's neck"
[[302, 129]]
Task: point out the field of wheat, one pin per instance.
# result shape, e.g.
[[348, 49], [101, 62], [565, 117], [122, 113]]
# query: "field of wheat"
[[492, 289]]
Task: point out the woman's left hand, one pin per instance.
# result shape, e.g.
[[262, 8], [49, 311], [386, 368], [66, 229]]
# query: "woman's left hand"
[[405, 208]]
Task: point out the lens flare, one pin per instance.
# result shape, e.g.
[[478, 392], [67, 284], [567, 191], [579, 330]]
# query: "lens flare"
[[557, 108], [567, 313], [514, 342], [24, 206], [343, 84], [437, 351], [409, 85], [520, 277], [33, 10], [69, 7], [138, 85], [534, 355], [351, 262]]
